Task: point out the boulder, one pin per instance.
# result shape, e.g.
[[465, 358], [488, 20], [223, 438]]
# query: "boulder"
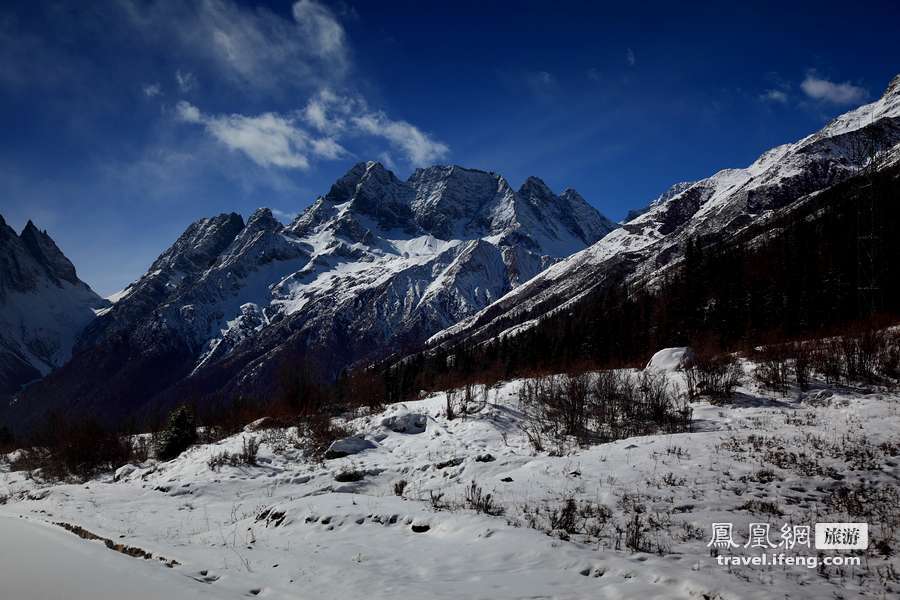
[[672, 359], [348, 446], [406, 423]]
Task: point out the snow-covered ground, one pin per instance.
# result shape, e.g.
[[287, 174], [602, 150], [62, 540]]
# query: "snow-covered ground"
[[43, 561], [288, 528]]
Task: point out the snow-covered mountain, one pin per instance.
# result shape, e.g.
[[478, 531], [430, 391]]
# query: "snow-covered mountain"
[[711, 209], [43, 306], [374, 265]]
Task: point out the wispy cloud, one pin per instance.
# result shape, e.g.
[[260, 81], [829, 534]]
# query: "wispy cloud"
[[185, 80], [269, 139], [823, 90], [342, 115], [630, 58], [151, 90], [292, 140], [248, 46], [775, 96], [420, 149]]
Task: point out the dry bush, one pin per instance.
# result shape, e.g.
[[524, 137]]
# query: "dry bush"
[[317, 432], [480, 502], [803, 364], [827, 359], [562, 410], [773, 366], [714, 376], [62, 449], [247, 455]]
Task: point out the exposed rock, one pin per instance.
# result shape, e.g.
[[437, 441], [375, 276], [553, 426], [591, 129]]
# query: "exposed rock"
[[406, 423]]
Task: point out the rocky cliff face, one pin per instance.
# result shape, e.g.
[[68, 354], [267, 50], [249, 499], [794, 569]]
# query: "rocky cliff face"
[[374, 265], [43, 306]]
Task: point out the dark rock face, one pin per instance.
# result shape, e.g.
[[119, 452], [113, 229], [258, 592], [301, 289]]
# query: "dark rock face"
[[43, 307], [375, 265]]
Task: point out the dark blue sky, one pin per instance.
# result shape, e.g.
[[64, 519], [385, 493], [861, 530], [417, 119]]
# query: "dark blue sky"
[[123, 121]]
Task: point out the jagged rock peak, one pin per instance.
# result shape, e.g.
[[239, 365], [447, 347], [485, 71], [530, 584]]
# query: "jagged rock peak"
[[201, 243], [346, 187], [263, 219], [45, 251], [534, 187]]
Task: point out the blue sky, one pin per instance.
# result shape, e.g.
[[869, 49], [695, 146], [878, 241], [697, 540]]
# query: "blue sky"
[[125, 120]]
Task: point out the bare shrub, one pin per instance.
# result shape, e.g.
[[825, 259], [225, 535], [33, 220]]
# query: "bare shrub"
[[249, 450], [889, 357], [62, 449], [317, 432], [564, 410], [480, 502], [436, 500], [773, 368], [761, 506], [714, 376], [803, 364], [827, 359]]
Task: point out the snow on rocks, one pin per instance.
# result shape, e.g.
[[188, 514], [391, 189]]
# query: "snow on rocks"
[[124, 471], [348, 446], [406, 423], [671, 359]]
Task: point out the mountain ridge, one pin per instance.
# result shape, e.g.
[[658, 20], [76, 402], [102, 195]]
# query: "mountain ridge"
[[368, 267], [652, 240]]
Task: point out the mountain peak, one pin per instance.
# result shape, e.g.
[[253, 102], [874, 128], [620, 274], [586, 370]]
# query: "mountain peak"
[[893, 88], [45, 251], [262, 218], [535, 187]]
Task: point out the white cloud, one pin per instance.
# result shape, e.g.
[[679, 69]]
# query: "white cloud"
[[280, 140], [188, 112], [823, 90], [152, 89], [263, 51], [630, 57], [337, 115], [185, 80], [269, 139], [249, 46], [418, 147], [319, 24], [773, 95], [387, 160]]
